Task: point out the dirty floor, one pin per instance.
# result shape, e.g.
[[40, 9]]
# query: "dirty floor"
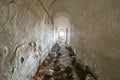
[[62, 65]]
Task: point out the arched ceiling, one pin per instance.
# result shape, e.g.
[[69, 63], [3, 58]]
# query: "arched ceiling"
[[62, 15], [75, 8]]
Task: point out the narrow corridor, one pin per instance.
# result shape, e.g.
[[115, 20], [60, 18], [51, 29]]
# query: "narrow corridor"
[[62, 65], [59, 39]]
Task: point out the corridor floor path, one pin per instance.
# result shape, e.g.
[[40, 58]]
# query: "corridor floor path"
[[61, 68], [61, 64]]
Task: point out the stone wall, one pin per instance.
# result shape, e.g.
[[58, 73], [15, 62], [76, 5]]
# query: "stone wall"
[[95, 38], [25, 38]]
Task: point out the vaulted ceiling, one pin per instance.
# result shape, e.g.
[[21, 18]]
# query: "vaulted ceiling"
[[74, 7]]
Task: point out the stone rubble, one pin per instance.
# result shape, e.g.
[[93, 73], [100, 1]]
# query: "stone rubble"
[[62, 65]]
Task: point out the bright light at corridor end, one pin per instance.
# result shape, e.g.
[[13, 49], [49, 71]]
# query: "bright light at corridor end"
[[61, 34]]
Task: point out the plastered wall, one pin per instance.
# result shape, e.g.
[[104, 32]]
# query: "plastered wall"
[[95, 38], [25, 38]]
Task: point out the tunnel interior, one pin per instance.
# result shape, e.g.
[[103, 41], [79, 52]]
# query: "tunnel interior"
[[82, 36], [62, 27]]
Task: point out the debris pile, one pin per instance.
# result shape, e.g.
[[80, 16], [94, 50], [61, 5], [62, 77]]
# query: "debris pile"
[[63, 65]]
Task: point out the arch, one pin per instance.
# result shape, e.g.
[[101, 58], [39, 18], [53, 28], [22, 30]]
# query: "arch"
[[64, 14], [62, 21]]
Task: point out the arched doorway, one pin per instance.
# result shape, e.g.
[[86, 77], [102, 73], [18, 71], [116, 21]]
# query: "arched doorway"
[[62, 27]]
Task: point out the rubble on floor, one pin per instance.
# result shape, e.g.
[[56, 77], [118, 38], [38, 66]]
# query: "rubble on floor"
[[62, 65]]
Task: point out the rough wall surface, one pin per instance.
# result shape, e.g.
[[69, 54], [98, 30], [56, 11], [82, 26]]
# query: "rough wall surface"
[[25, 38], [95, 38]]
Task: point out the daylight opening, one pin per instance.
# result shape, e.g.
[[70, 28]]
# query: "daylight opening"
[[61, 35], [62, 27]]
